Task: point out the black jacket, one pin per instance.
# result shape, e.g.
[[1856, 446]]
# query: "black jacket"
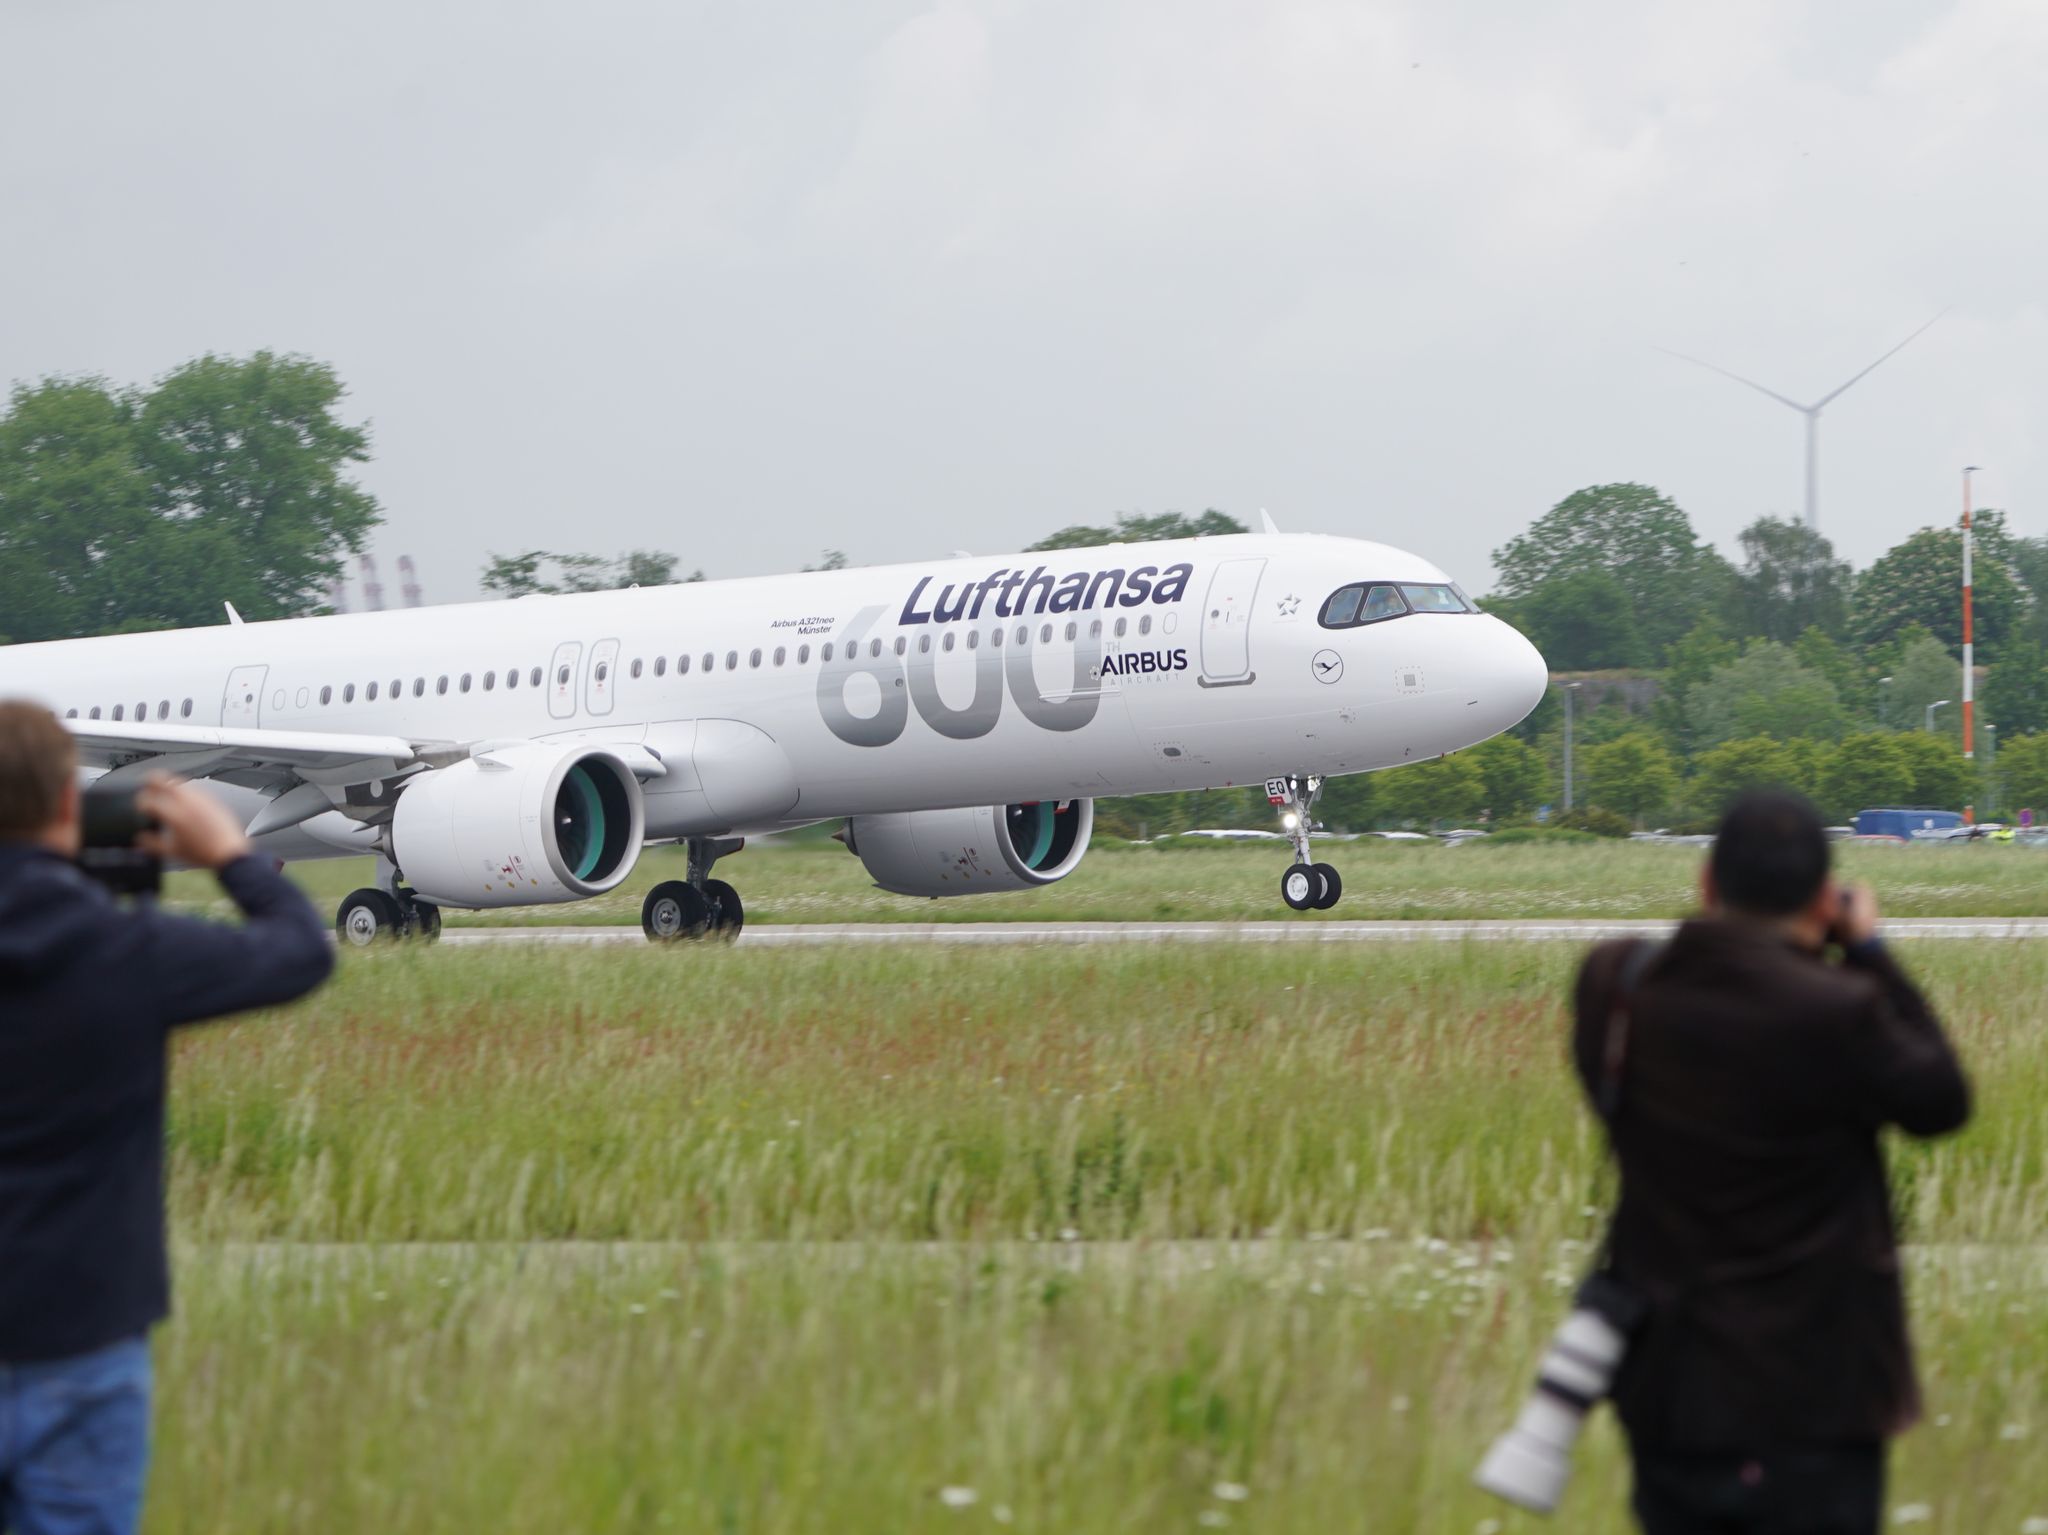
[[1755, 1214], [88, 990]]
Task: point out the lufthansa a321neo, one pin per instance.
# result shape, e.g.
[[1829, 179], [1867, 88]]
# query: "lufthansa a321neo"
[[961, 718]]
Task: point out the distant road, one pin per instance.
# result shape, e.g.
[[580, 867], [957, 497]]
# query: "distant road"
[[767, 936]]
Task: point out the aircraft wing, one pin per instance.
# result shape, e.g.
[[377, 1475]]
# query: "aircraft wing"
[[210, 751]]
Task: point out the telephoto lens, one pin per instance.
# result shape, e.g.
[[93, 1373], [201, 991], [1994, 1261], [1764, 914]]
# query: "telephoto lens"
[[1530, 1464], [111, 824]]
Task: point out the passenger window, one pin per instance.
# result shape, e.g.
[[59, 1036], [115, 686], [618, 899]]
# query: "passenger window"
[[603, 671], [826, 653], [534, 679], [707, 660], [995, 638], [636, 668], [947, 642], [142, 710], [397, 686], [803, 654], [1342, 608], [419, 687], [901, 644], [441, 687], [781, 654], [117, 710], [465, 682], [186, 711], [95, 712], [682, 665], [732, 660], [163, 709], [875, 647], [1095, 630], [1433, 599], [1145, 624], [1381, 602], [1121, 625], [490, 681], [348, 694], [1073, 631], [71, 714], [973, 639], [1045, 634], [562, 676], [1024, 634], [660, 666], [754, 658], [370, 693]]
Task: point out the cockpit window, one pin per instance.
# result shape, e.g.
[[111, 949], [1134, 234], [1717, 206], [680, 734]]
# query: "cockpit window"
[[1363, 603], [1434, 599]]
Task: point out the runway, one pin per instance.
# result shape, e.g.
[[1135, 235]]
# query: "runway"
[[771, 936]]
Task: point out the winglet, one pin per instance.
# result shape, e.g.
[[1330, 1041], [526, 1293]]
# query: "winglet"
[[1266, 520], [233, 616]]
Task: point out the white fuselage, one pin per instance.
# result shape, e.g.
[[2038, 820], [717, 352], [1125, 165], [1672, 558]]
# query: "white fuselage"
[[1121, 670]]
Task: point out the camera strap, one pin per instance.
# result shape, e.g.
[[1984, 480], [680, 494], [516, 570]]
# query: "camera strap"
[[1635, 964]]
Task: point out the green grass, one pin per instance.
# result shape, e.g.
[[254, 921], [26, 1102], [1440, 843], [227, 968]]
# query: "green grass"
[[817, 882], [791, 1240]]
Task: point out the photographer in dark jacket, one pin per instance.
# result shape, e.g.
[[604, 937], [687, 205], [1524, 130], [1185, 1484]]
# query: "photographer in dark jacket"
[[1748, 1088], [88, 992]]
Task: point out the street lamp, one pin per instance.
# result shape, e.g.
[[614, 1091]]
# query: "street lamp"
[[1884, 701], [1990, 757], [1570, 688], [1940, 703]]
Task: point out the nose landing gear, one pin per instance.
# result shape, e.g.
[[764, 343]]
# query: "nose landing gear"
[[680, 910], [1307, 885]]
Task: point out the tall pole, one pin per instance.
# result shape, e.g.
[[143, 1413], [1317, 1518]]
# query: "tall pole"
[[1969, 631], [1813, 469], [1570, 688]]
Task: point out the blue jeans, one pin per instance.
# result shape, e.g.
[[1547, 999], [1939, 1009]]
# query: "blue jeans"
[[74, 1442]]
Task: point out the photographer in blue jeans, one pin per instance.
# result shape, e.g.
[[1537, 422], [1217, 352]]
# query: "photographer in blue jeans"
[[89, 990]]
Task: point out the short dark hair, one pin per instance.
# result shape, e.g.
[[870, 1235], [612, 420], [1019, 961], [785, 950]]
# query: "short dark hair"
[[1771, 854], [37, 759]]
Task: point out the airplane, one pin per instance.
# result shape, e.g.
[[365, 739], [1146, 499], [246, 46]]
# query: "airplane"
[[960, 717]]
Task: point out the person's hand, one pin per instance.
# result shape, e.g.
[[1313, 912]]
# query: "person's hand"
[[193, 829], [1856, 922]]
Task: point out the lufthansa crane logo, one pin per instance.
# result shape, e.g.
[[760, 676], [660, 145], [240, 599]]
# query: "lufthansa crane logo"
[[1327, 666]]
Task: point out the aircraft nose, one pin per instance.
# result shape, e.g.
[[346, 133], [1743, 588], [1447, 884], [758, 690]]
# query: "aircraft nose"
[[1517, 676]]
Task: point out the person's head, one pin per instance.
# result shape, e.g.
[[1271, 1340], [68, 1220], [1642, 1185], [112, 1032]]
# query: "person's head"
[[38, 779], [1770, 862]]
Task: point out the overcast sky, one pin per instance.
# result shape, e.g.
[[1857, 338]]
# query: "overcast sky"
[[746, 281]]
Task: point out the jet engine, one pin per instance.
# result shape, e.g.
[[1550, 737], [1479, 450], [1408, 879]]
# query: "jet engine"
[[969, 852], [525, 824]]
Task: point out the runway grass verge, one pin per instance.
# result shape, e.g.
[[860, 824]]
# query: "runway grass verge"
[[642, 1239], [820, 882]]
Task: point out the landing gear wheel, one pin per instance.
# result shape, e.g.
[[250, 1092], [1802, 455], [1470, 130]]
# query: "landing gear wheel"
[[1332, 885], [426, 922], [674, 911], [1300, 886], [727, 915], [369, 917]]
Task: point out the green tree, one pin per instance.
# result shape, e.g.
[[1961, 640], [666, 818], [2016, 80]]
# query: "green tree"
[[1923, 672], [247, 460], [1514, 775], [1693, 660], [1764, 692], [1138, 528], [1941, 778], [2023, 769], [1721, 773], [1920, 581], [1582, 621], [1350, 803], [1822, 653], [1442, 789], [1865, 772], [1633, 775], [1791, 581], [538, 571], [1640, 537], [2016, 689]]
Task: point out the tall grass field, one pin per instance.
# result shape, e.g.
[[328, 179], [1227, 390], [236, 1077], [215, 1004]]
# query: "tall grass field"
[[1045, 1239], [816, 880]]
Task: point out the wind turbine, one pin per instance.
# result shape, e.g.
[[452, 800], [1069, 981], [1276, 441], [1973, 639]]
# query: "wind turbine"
[[1811, 412]]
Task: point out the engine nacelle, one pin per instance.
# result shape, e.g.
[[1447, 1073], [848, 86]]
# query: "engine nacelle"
[[973, 851], [520, 825]]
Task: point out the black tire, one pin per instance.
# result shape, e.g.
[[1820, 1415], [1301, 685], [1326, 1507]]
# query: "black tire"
[[1333, 886], [368, 918], [674, 912], [728, 916], [1300, 886], [426, 922]]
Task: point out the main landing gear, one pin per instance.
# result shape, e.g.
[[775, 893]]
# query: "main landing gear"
[[1306, 886], [386, 914], [679, 910]]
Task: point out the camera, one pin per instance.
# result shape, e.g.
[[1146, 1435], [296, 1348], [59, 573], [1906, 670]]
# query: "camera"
[[1530, 1464], [111, 824]]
